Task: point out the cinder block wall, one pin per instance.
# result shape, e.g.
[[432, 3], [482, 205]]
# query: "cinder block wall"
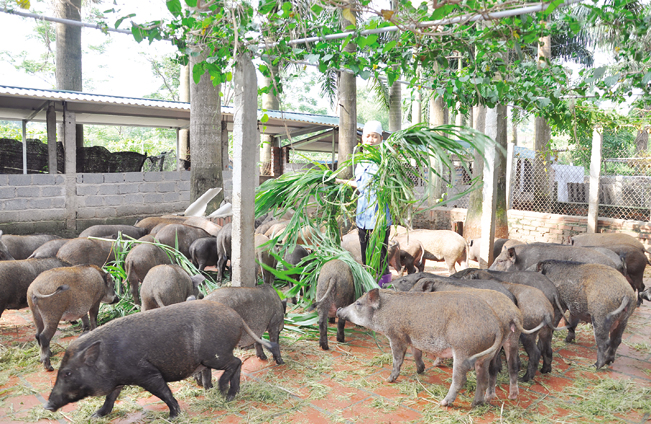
[[32, 203], [106, 198], [36, 203]]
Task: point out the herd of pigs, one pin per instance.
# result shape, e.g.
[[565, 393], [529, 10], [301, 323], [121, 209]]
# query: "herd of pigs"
[[471, 316]]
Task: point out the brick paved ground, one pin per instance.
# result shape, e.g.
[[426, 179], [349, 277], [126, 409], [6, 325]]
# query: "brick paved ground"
[[348, 384]]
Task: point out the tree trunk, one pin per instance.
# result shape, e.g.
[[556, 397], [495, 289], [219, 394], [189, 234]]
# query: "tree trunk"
[[68, 54], [205, 142], [269, 102], [472, 226], [502, 223], [642, 141], [395, 107], [436, 118], [347, 94], [541, 195]]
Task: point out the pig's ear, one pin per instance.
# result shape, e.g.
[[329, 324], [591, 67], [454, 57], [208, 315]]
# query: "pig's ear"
[[91, 353], [374, 298], [511, 253], [197, 280], [539, 267], [427, 286]]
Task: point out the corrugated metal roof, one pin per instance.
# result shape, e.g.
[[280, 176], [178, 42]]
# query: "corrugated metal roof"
[[104, 99], [63, 95]]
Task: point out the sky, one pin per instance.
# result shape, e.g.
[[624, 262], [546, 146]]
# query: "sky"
[[119, 70]]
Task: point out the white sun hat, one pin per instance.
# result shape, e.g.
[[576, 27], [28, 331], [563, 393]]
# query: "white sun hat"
[[372, 127]]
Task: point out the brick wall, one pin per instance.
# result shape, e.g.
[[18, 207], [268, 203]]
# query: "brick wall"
[[36, 203], [543, 227], [107, 197]]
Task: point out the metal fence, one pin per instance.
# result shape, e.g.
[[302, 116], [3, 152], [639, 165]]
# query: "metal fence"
[[559, 183]]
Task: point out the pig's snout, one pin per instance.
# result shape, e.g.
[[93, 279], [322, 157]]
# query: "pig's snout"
[[50, 407], [339, 312]]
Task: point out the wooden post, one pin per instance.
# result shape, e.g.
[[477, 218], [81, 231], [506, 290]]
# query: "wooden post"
[[183, 136], [24, 146], [595, 177], [245, 141], [489, 192], [70, 145], [51, 119], [509, 173]]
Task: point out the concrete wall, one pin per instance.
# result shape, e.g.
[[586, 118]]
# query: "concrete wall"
[[36, 203], [543, 227]]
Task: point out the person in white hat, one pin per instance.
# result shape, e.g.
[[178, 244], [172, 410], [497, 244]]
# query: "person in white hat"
[[367, 206]]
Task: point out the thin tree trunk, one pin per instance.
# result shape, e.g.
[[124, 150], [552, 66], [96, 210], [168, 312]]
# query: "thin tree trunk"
[[642, 141], [542, 196], [347, 94], [205, 143], [502, 223], [68, 55], [269, 102]]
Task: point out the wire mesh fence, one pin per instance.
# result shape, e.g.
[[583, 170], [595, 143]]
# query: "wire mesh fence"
[[559, 183]]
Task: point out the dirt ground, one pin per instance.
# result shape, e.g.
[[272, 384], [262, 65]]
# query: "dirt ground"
[[348, 384]]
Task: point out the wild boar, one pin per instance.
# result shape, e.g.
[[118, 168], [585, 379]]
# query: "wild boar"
[[168, 284], [67, 294], [21, 247], [83, 251], [112, 231], [262, 310], [203, 252], [48, 249], [442, 245], [182, 234], [335, 289], [140, 259], [16, 276], [597, 294], [138, 350], [469, 331]]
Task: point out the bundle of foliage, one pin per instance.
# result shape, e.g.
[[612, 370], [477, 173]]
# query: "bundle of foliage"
[[320, 204]]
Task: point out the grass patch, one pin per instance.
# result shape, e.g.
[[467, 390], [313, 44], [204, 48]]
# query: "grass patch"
[[381, 360], [318, 391], [382, 405], [600, 401], [640, 347]]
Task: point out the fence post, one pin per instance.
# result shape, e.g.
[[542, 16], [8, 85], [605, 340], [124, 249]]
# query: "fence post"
[[51, 119], [509, 173], [70, 148], [489, 191], [595, 177]]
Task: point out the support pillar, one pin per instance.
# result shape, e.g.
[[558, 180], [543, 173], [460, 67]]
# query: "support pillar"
[[225, 158], [24, 133], [509, 173], [245, 141], [595, 178], [489, 192], [183, 149], [51, 119], [70, 144]]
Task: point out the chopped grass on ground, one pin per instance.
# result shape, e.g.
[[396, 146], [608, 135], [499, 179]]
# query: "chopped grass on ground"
[[640, 347]]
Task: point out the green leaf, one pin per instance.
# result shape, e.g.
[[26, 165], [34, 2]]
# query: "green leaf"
[[611, 80], [442, 12], [137, 33], [191, 3], [119, 21], [267, 7], [317, 9], [599, 72], [552, 6], [174, 6], [197, 72], [646, 78], [264, 118]]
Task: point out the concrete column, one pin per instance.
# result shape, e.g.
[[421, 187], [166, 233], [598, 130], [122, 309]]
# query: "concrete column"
[[225, 158], [24, 146], [509, 173], [595, 177], [245, 141], [184, 96], [51, 119], [489, 192], [69, 142], [436, 118]]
